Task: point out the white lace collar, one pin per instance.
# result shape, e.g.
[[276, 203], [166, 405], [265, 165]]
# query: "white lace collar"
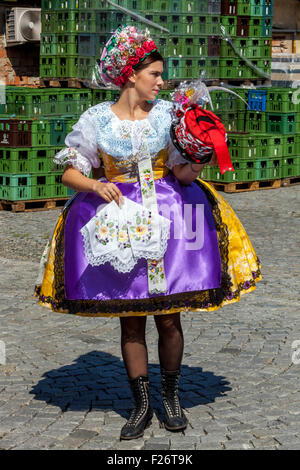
[[114, 135]]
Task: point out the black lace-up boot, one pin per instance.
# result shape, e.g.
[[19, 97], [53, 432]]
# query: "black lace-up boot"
[[175, 418], [141, 415]]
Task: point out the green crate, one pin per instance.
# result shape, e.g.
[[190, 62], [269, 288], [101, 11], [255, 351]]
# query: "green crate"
[[255, 27], [49, 21], [279, 123], [212, 68], [281, 100], [229, 68], [67, 44], [243, 93], [103, 5], [244, 170], [184, 46], [290, 166], [25, 159], [99, 95], [75, 67], [180, 23], [86, 66], [208, 25], [194, 6], [69, 101], [253, 121], [48, 45], [58, 189], [257, 7], [108, 21], [268, 168], [24, 102], [40, 133], [247, 47], [67, 21], [41, 159], [243, 8], [67, 67], [243, 145], [271, 145], [230, 120], [42, 186], [14, 160], [223, 101], [58, 131], [61, 4], [48, 67], [15, 187], [290, 145], [229, 23]]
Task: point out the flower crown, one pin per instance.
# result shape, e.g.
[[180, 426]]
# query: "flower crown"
[[126, 48]]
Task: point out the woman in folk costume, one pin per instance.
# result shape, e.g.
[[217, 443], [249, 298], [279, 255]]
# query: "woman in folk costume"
[[144, 236]]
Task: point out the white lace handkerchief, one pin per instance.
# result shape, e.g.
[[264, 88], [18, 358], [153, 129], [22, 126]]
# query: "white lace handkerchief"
[[123, 235]]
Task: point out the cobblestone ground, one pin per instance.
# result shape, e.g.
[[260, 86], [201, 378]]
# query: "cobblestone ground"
[[64, 384]]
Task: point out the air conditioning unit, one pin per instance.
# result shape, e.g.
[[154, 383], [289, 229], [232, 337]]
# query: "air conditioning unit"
[[23, 25]]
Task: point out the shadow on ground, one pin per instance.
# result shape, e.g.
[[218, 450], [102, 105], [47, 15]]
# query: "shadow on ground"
[[98, 380]]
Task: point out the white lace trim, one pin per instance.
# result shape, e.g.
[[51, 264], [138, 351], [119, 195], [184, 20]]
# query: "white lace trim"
[[115, 224], [114, 136], [72, 157]]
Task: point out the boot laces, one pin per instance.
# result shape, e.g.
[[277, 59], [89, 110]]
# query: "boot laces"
[[170, 395], [140, 394]]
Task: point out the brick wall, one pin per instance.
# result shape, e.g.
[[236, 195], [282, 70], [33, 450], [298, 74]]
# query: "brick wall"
[[19, 65]]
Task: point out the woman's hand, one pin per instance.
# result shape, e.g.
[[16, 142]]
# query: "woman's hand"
[[108, 192], [214, 160]]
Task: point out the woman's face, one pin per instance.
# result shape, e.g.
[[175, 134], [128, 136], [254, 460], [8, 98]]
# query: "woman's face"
[[148, 81]]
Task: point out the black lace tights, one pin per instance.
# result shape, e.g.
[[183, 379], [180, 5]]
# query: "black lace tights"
[[134, 347]]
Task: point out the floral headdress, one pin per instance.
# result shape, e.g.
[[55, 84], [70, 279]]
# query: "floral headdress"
[[127, 47]]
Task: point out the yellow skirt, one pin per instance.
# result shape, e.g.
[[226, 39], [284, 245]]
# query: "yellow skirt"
[[241, 270]]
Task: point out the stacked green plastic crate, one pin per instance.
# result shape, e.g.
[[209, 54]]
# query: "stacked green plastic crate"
[[264, 139], [192, 46], [33, 126], [248, 24], [74, 33]]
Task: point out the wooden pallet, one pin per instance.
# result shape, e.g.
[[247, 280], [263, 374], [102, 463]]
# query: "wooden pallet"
[[240, 186], [33, 205], [61, 83], [293, 180]]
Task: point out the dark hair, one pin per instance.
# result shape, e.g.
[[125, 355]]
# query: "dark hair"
[[153, 57]]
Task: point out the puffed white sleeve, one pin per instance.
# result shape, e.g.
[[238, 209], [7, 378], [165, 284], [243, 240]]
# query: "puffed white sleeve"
[[174, 156], [81, 148]]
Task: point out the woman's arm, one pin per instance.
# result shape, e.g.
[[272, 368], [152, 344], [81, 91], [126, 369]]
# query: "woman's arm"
[[188, 172], [74, 179]]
